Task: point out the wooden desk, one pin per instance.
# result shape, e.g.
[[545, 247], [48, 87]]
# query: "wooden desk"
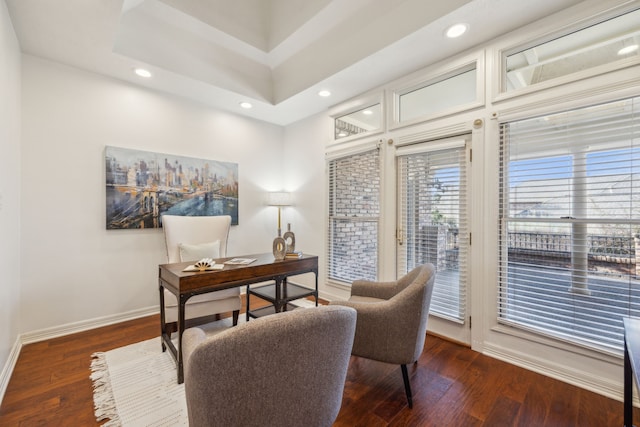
[[631, 365], [185, 285]]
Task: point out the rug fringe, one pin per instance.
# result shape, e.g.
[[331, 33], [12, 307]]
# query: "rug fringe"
[[104, 404]]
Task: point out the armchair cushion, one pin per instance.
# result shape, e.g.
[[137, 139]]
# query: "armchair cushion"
[[196, 252], [377, 290], [358, 298]]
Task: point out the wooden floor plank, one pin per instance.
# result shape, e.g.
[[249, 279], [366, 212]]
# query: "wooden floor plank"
[[564, 404], [503, 412]]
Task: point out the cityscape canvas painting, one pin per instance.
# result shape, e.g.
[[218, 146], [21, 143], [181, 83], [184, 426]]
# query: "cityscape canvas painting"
[[141, 186]]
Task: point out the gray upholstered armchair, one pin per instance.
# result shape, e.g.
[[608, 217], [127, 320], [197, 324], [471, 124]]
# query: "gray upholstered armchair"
[[392, 318], [288, 369]]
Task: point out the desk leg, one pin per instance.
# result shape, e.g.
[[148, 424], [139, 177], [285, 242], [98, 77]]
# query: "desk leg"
[[316, 274], [181, 320], [628, 389], [163, 324], [247, 307], [277, 305], [284, 295]]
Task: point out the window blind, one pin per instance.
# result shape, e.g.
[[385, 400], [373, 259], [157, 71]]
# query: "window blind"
[[569, 223], [432, 207], [354, 213]]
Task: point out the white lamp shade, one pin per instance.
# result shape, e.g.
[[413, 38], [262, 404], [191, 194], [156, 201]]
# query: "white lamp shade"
[[279, 198]]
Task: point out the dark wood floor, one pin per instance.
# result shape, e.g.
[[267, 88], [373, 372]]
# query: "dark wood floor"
[[452, 385]]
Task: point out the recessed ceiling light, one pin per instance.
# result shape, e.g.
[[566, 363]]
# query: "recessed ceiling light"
[[456, 30], [342, 134], [246, 105], [367, 112], [628, 49], [142, 72], [324, 93]]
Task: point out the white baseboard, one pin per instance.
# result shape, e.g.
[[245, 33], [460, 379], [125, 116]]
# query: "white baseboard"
[[5, 376], [585, 380], [85, 325], [58, 331]]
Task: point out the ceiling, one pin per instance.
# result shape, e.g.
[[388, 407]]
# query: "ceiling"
[[275, 54]]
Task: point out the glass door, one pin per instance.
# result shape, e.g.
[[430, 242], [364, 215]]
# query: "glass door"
[[433, 226]]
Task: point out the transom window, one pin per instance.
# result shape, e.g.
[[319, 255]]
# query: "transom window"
[[604, 43], [360, 122], [453, 91]]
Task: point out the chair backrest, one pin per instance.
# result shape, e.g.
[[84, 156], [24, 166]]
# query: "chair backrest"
[[420, 290], [194, 230], [287, 369]]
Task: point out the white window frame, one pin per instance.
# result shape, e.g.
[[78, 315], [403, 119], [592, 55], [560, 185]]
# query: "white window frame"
[[336, 153], [536, 34], [574, 345], [457, 143], [432, 75], [352, 106]]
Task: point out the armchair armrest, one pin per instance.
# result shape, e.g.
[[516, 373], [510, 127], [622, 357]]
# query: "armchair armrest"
[[191, 338]]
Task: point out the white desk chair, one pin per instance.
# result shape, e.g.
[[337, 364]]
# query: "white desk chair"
[[191, 238]]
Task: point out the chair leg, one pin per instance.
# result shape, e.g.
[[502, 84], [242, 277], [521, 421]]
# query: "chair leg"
[[407, 385], [236, 314]]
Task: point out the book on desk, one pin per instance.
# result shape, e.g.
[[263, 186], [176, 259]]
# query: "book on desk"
[[239, 261], [290, 255]]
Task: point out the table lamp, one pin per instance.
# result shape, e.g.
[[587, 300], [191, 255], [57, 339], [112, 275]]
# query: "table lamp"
[[279, 199]]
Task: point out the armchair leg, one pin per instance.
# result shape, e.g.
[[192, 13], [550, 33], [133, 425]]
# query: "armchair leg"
[[236, 314], [407, 385]]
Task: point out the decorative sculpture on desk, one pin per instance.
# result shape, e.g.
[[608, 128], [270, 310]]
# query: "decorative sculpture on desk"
[[290, 239], [279, 199], [279, 248]]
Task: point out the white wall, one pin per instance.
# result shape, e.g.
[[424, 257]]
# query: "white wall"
[[73, 269], [304, 172], [9, 185]]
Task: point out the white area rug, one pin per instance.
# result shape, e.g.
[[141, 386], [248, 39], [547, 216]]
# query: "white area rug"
[[136, 386]]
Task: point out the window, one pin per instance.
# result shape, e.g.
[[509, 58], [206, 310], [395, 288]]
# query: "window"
[[613, 41], [433, 219], [443, 95], [363, 121], [570, 222], [354, 211]]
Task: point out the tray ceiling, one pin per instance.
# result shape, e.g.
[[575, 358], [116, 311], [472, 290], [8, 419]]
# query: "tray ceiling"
[[276, 54]]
